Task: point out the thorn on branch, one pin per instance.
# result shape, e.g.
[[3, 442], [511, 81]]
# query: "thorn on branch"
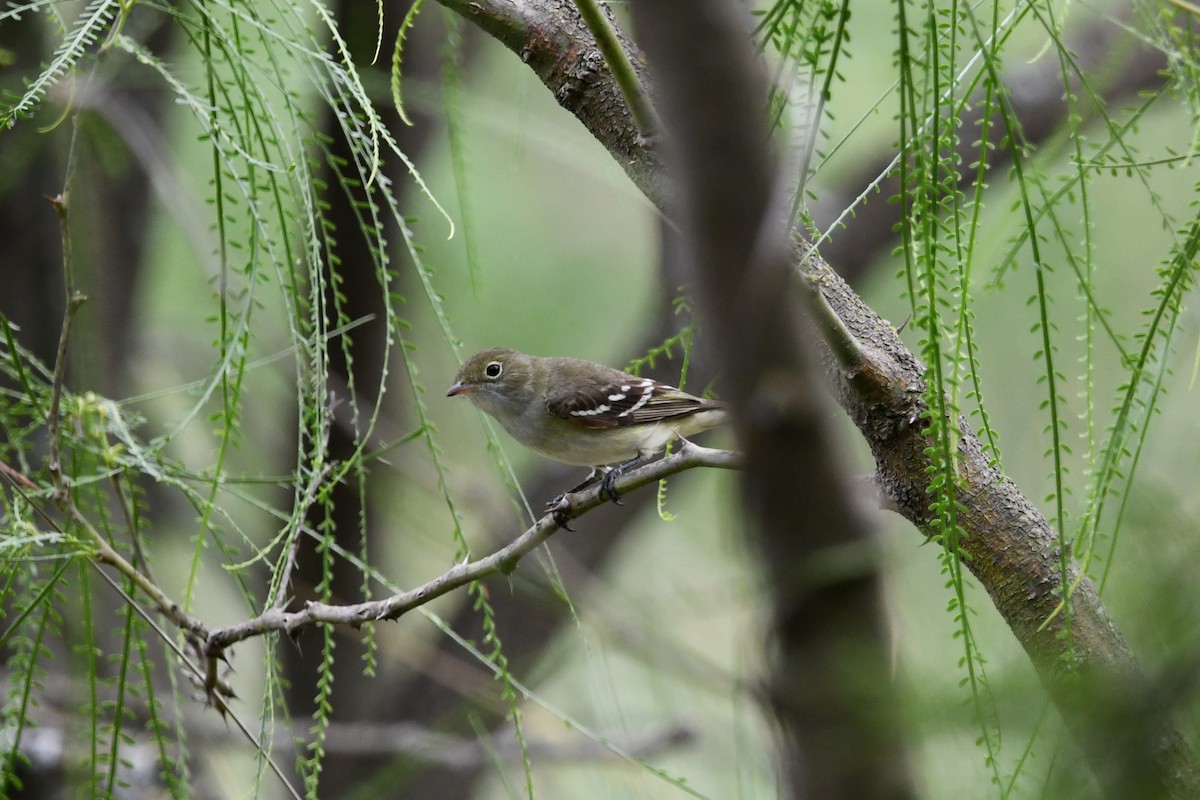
[[59, 203], [216, 689], [293, 628], [562, 512]]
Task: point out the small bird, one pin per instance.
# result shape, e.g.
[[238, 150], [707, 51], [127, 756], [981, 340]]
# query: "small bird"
[[582, 413]]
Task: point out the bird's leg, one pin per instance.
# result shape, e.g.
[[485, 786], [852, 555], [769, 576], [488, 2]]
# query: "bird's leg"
[[588, 481], [607, 489], [610, 475]]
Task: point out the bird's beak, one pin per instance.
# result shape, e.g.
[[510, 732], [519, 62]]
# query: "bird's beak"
[[461, 387]]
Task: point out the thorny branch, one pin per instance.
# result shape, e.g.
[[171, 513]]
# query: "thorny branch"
[[503, 560], [211, 644]]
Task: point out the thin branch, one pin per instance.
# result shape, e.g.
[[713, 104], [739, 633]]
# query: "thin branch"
[[61, 204], [212, 644], [104, 553], [74, 301], [53, 426], [503, 560]]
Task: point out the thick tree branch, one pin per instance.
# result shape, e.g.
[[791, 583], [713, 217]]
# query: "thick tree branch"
[[1008, 543]]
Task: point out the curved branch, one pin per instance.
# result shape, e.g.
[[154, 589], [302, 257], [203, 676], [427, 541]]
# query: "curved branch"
[[503, 560]]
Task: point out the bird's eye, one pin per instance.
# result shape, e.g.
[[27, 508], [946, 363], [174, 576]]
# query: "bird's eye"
[[493, 369]]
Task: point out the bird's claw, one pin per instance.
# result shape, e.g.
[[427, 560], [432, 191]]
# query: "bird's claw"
[[608, 486]]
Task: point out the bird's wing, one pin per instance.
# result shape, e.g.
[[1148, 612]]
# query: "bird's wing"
[[625, 400]]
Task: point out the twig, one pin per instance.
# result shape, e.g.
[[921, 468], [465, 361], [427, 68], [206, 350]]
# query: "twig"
[[74, 301], [61, 205], [104, 553], [211, 645], [316, 481], [503, 560]]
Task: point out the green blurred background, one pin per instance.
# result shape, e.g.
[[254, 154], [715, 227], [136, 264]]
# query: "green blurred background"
[[673, 630]]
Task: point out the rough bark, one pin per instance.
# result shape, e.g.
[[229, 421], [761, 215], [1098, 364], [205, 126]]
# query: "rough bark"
[[554, 42]]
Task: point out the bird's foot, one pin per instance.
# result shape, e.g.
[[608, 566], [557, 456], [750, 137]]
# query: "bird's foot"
[[608, 488], [608, 484]]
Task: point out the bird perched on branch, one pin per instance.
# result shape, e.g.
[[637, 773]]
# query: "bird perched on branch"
[[582, 413]]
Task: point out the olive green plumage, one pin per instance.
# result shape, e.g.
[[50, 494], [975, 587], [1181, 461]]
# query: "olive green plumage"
[[579, 412]]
